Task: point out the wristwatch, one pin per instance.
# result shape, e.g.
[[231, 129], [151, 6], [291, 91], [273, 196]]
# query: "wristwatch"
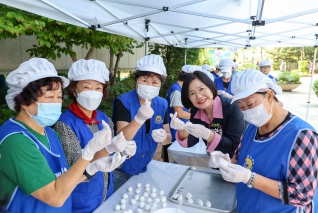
[[250, 184], [88, 176]]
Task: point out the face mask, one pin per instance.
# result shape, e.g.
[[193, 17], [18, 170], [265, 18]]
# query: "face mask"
[[48, 114], [226, 75], [258, 116], [147, 92], [90, 99]]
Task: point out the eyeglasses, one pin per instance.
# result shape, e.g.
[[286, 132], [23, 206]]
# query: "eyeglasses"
[[266, 67], [201, 91]]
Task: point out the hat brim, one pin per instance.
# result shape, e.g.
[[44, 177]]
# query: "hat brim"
[[245, 92], [90, 76], [225, 68], [152, 69]]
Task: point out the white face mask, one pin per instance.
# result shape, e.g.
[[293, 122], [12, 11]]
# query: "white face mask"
[[90, 99], [258, 116], [147, 92], [226, 75]]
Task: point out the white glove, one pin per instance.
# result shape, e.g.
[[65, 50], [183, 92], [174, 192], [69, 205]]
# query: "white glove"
[[197, 130], [215, 158], [225, 94], [176, 123], [233, 172], [220, 92], [105, 164], [100, 139], [144, 113], [130, 149], [118, 144], [159, 135]]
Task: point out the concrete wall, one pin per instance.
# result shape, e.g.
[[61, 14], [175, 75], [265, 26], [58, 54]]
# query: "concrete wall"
[[13, 53]]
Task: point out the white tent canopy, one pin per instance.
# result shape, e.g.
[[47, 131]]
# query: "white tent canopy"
[[190, 23]]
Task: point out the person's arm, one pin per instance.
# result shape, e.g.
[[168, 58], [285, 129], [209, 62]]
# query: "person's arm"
[[181, 113]]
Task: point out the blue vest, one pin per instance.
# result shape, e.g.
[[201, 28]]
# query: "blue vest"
[[214, 75], [174, 87], [269, 158], [146, 146], [20, 202], [219, 85], [87, 196], [273, 78]]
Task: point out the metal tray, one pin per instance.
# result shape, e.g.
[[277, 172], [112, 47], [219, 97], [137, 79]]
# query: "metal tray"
[[205, 184]]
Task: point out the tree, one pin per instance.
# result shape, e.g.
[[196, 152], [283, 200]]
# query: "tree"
[[56, 38]]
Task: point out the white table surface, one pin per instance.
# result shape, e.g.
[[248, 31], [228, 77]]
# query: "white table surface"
[[193, 156], [162, 176]]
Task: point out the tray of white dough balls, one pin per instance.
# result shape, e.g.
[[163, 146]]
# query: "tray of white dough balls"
[[141, 199], [204, 188]]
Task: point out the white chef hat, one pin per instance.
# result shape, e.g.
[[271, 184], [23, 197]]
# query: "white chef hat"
[[88, 70], [188, 68], [265, 63], [208, 74], [226, 65], [217, 66], [206, 67], [31, 70], [152, 63], [250, 81]]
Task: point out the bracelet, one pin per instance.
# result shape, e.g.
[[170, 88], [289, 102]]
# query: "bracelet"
[[250, 184], [88, 176]]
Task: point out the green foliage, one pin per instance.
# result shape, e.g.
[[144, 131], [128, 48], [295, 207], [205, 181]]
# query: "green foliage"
[[315, 86], [302, 66], [288, 77]]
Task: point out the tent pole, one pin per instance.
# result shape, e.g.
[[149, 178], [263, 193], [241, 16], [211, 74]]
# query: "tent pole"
[[311, 81], [146, 47], [185, 57]]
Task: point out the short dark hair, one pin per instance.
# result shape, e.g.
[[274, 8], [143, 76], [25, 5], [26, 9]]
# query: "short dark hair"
[[71, 89], [138, 73], [33, 90], [182, 76], [185, 87]]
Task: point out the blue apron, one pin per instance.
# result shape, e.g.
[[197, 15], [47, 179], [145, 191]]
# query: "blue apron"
[[269, 158], [219, 85], [174, 87], [146, 146], [20, 202], [87, 196]]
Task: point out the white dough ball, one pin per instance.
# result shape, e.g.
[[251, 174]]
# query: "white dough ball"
[[141, 204], [200, 202], [154, 205], [175, 196], [147, 207], [139, 210], [142, 198], [130, 189], [136, 197], [125, 196], [137, 191], [154, 190], [149, 200], [147, 189], [125, 212], [161, 193], [152, 208], [180, 198], [153, 195], [145, 194], [157, 200], [117, 207], [190, 201], [123, 206], [133, 201], [122, 201], [139, 185], [164, 205], [129, 211], [163, 199], [208, 204], [188, 195], [147, 185]]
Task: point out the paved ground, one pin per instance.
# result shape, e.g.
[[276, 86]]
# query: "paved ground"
[[296, 102]]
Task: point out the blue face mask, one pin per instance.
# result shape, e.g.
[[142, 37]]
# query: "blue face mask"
[[48, 114]]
